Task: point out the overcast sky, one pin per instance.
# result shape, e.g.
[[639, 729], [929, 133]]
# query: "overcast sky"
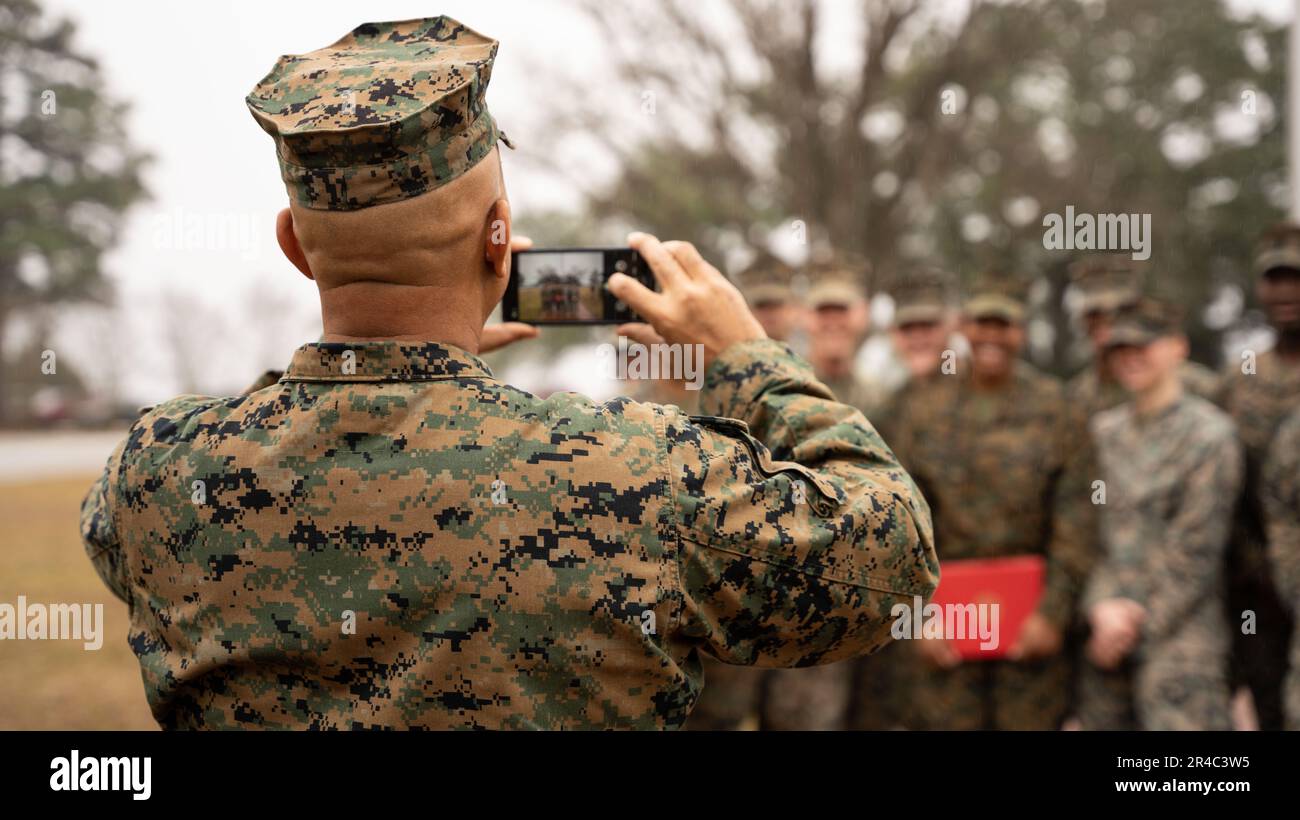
[[185, 68]]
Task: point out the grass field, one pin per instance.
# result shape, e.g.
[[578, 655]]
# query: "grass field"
[[59, 684]]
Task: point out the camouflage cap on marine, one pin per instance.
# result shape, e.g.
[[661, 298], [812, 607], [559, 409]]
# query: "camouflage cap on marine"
[[1141, 322], [1278, 249], [389, 112], [996, 295], [922, 295], [1107, 281], [839, 281]]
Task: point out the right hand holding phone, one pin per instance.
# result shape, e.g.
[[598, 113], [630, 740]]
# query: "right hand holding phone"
[[695, 304]]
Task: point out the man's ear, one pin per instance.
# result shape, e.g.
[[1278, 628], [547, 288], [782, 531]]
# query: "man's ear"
[[289, 242], [496, 250]]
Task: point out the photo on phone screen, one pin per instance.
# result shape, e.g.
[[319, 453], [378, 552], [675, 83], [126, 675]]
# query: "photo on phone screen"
[[566, 286]]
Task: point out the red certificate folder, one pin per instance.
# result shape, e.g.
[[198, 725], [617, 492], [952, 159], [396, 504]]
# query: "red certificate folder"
[[1015, 585]]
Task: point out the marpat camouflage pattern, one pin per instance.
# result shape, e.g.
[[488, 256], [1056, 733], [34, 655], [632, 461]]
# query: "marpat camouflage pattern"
[[389, 112], [1280, 490], [510, 562], [1007, 472], [1171, 483]]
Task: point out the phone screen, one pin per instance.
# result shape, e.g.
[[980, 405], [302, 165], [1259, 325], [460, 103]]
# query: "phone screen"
[[566, 286]]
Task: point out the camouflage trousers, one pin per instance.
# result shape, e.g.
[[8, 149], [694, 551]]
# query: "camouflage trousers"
[[1293, 685], [1258, 660], [990, 695], [1170, 687]]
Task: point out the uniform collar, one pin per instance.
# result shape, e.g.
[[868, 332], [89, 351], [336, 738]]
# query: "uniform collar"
[[383, 362], [1163, 414]]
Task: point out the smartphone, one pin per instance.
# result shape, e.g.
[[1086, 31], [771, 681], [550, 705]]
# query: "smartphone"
[[566, 286]]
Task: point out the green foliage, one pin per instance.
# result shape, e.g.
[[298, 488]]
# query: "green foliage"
[[68, 172]]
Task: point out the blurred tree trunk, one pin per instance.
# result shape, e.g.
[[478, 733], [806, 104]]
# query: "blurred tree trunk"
[[61, 207]]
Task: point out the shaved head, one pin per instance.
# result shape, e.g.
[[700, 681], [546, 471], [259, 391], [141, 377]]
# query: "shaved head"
[[385, 271]]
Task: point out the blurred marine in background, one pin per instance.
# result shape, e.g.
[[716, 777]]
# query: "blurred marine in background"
[[924, 321], [839, 320], [1001, 457], [1158, 649], [1281, 491], [1108, 282], [1259, 391]]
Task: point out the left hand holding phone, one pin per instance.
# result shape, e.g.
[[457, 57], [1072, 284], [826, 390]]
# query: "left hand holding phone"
[[498, 336]]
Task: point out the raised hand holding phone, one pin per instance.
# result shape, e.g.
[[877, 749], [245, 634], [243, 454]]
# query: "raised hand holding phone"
[[695, 304]]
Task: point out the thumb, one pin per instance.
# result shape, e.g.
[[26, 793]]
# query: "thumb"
[[640, 332], [496, 337], [644, 301]]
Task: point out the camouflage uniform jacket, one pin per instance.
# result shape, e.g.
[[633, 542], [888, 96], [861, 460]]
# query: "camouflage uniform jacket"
[[1171, 482], [1006, 472], [1280, 489], [1088, 390], [504, 561], [1258, 403]]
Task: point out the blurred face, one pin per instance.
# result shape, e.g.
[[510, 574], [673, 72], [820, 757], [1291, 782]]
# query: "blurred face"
[[1140, 368], [995, 346], [1279, 294], [920, 345], [1097, 324], [852, 320], [777, 318]]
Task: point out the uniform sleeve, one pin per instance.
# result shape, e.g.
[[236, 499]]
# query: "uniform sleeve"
[[1191, 553], [1112, 578], [1280, 492], [1106, 582], [798, 529], [890, 421], [98, 531], [1074, 546], [1224, 387]]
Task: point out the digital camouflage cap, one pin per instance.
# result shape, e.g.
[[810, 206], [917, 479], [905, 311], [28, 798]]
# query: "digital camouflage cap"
[[923, 295], [1106, 281], [768, 282], [389, 112], [1141, 322], [838, 280], [997, 295], [1278, 249]]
